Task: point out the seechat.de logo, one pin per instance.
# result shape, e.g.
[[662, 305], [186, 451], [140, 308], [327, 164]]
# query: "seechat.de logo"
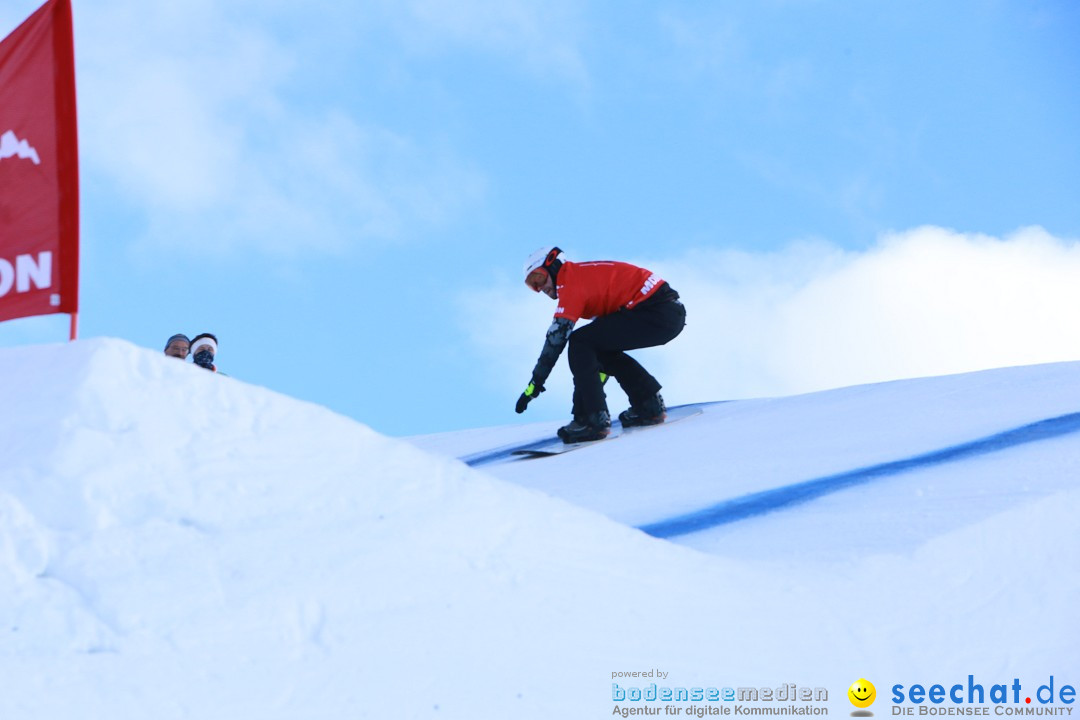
[[862, 694]]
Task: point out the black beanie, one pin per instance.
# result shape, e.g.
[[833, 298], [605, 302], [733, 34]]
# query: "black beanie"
[[177, 336]]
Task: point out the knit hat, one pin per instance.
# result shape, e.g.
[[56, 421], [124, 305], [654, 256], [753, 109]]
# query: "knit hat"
[[177, 336]]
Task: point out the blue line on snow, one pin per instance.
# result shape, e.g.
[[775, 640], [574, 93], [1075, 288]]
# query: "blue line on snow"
[[767, 501]]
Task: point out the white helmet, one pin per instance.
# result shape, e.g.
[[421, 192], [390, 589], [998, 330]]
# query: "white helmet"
[[548, 258]]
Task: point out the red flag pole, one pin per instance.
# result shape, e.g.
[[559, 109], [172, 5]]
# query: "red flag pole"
[[74, 326]]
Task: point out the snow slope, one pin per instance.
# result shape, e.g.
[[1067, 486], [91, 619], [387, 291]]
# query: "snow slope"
[[179, 544]]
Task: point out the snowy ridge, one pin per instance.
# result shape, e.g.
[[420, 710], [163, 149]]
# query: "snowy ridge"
[[811, 441], [178, 544], [771, 500]]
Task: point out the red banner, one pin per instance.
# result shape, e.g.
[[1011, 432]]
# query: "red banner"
[[39, 167]]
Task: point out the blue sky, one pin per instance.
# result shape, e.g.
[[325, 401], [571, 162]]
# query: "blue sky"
[[345, 192]]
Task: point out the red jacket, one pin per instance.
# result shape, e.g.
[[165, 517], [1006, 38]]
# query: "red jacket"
[[594, 289]]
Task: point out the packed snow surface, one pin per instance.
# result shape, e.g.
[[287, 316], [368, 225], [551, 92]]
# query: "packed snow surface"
[[176, 544]]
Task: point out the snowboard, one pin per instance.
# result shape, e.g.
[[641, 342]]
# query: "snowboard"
[[556, 446]]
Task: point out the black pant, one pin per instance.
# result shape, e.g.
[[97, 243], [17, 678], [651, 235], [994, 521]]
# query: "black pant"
[[600, 345]]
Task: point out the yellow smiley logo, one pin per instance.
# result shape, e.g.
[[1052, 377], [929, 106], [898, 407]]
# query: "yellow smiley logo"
[[862, 693]]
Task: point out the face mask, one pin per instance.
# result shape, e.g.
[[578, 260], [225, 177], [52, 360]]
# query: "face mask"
[[204, 358]]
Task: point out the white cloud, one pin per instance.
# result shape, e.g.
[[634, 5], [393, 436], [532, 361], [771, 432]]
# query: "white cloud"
[[925, 302], [543, 37], [708, 42], [186, 108], [506, 324]]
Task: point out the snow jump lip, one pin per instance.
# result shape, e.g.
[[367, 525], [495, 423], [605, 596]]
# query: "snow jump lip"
[[507, 452], [767, 501]]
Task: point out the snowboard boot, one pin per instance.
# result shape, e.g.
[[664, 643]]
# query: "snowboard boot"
[[650, 411], [585, 428]]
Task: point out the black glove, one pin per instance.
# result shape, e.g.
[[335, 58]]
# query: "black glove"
[[531, 391], [204, 358]]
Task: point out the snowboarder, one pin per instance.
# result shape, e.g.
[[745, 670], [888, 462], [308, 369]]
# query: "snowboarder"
[[633, 308], [178, 346]]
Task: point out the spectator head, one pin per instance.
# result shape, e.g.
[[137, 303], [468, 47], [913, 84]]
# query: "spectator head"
[[203, 349], [204, 340], [178, 346]]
